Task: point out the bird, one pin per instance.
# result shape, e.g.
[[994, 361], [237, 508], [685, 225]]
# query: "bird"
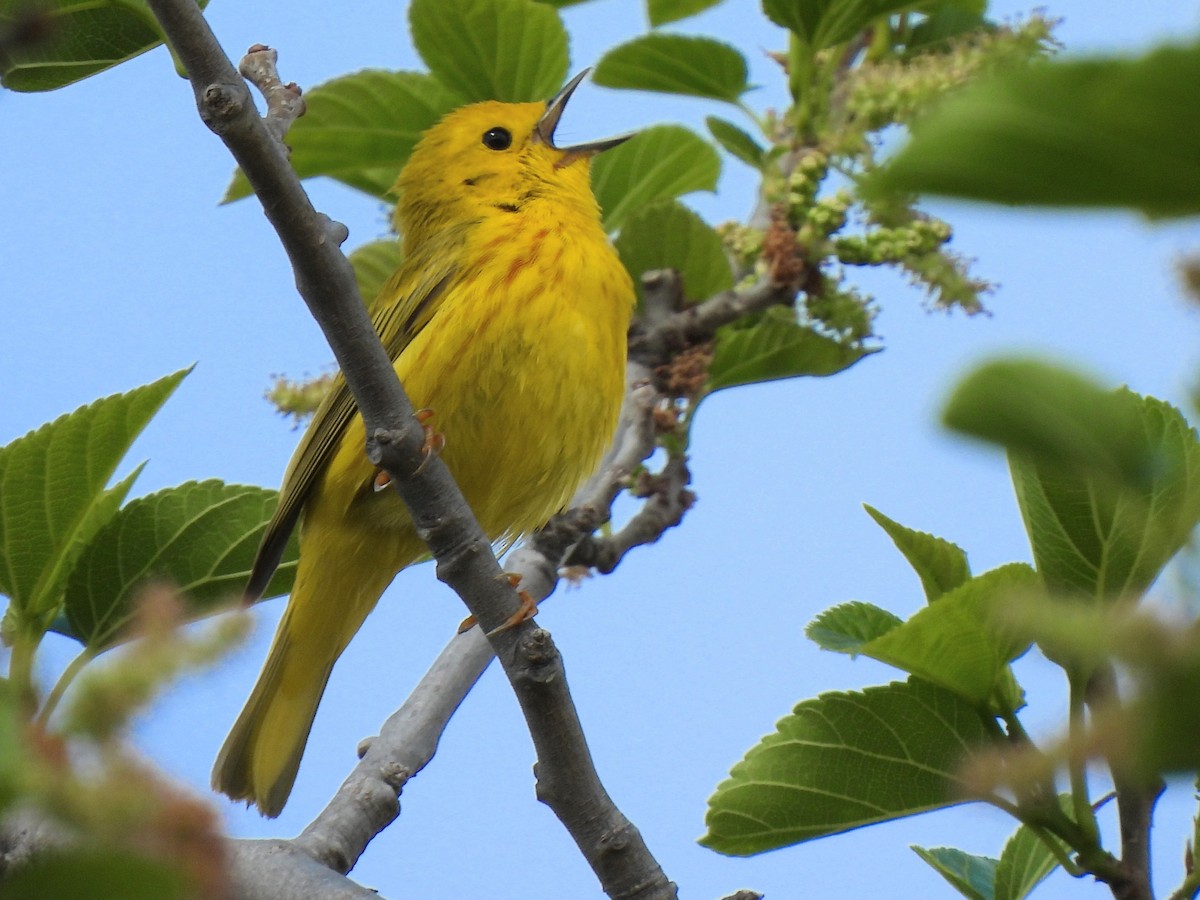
[[507, 322]]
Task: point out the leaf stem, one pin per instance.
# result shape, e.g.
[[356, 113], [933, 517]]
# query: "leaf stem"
[[74, 667], [800, 83], [1085, 816], [1044, 831], [1069, 865], [20, 669]]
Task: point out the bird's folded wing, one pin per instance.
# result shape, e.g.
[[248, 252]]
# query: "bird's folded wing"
[[404, 306]]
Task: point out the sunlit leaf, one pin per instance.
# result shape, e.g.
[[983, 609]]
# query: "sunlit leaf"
[[843, 760], [53, 497], [1027, 860], [661, 12], [675, 64], [660, 163], [776, 347], [1085, 132], [972, 876], [512, 50], [198, 537], [823, 23], [958, 642], [73, 39], [361, 128], [670, 236], [736, 141], [942, 24], [374, 264], [1108, 481], [1054, 415], [846, 627], [941, 565]]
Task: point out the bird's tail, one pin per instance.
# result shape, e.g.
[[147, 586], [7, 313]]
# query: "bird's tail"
[[260, 757]]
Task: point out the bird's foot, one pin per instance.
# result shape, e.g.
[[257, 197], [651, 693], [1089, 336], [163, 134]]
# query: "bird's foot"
[[527, 610], [433, 444], [434, 441]]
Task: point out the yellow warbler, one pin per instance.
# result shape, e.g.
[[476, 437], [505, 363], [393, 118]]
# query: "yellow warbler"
[[508, 320]]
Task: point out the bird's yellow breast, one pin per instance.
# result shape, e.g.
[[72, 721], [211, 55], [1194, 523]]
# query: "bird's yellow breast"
[[523, 368]]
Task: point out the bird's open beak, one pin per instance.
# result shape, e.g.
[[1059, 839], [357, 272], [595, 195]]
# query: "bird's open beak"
[[543, 132]]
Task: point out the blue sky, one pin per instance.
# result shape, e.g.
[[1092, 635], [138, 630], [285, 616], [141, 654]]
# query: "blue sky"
[[119, 267]]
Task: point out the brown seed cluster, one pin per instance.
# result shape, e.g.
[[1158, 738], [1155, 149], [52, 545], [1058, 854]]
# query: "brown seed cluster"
[[685, 375], [785, 266]]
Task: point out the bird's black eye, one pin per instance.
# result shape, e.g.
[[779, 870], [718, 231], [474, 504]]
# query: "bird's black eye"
[[497, 138]]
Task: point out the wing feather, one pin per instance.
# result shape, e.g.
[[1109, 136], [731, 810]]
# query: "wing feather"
[[418, 286]]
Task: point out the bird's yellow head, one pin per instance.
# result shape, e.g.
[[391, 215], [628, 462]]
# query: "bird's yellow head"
[[491, 159]]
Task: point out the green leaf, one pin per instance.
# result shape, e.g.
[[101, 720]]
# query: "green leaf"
[[942, 24], [374, 264], [1108, 482], [660, 12], [843, 760], [1164, 718], [846, 627], [512, 50], [1089, 132], [660, 163], [736, 142], [972, 876], [1088, 539], [823, 23], [956, 642], [200, 537], [775, 347], [94, 874], [675, 64], [1056, 416], [361, 128], [81, 38], [941, 565], [1027, 860], [670, 236], [52, 494]]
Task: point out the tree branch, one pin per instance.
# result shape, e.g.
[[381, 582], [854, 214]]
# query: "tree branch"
[[367, 801], [1136, 799], [464, 557]]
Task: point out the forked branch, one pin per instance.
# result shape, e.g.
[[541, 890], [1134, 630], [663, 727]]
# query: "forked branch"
[[465, 560]]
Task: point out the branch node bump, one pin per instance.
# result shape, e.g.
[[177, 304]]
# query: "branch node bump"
[[396, 775], [221, 104], [456, 559], [615, 841], [540, 655], [380, 441], [334, 230]]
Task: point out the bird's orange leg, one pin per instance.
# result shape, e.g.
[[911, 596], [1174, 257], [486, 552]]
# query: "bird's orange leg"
[[527, 610], [433, 444]]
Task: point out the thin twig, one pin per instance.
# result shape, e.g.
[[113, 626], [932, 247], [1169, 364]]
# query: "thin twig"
[[284, 103], [366, 803], [464, 556]]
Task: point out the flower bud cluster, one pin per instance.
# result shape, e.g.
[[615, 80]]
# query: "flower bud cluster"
[[844, 311], [884, 246]]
